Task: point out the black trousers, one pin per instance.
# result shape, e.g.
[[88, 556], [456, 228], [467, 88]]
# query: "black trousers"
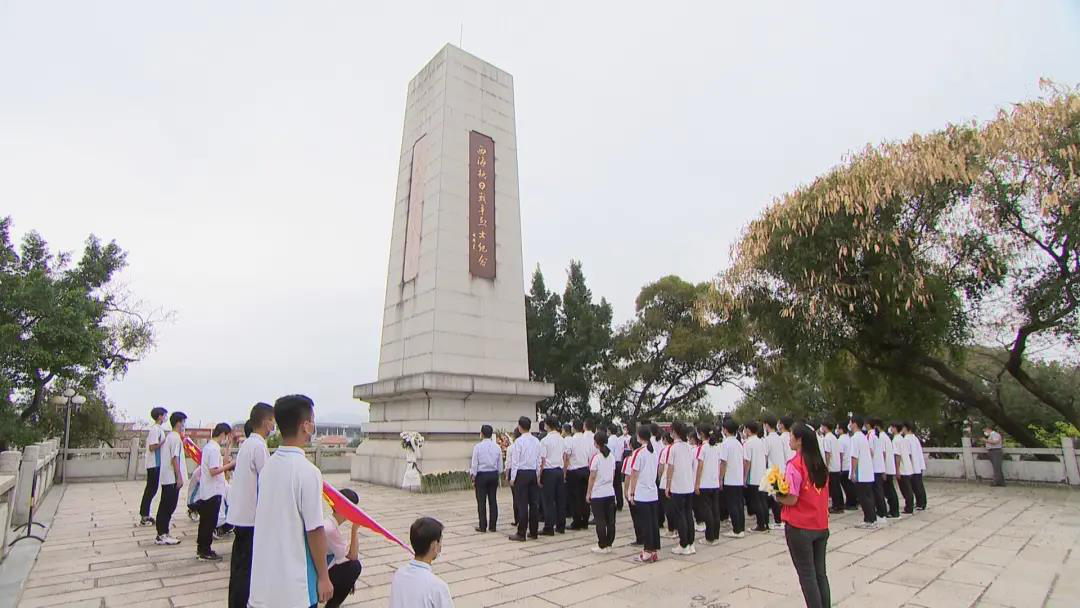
[[487, 505], [343, 576], [807, 549], [879, 495], [577, 483], [733, 496], [603, 509], [865, 492], [240, 566], [997, 459], [527, 502], [635, 516], [554, 499], [618, 481], [904, 481], [208, 516], [851, 497], [682, 515], [152, 480], [166, 506], [649, 524], [836, 490], [709, 505], [775, 508], [891, 497], [664, 512], [759, 504], [919, 489]]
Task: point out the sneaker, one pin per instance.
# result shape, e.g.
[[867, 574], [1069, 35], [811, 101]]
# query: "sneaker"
[[208, 557], [165, 539], [147, 521], [735, 534], [677, 550], [712, 543], [517, 538], [766, 529], [700, 527], [867, 526], [601, 550], [642, 558], [690, 550]]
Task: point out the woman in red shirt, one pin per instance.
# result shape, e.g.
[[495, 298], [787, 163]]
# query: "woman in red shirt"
[[806, 513]]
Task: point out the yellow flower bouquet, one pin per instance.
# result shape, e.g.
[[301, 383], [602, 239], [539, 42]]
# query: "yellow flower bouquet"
[[773, 482]]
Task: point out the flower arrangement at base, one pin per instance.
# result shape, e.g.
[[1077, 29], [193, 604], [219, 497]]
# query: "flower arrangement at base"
[[412, 441], [773, 482]]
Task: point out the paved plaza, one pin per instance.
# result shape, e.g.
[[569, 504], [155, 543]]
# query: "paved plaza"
[[975, 546]]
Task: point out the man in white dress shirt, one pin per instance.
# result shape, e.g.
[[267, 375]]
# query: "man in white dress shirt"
[[888, 481], [902, 453], [862, 472], [415, 585], [577, 477], [485, 468], [775, 456], [524, 481], [918, 463], [843, 437], [250, 460], [153, 464], [554, 455]]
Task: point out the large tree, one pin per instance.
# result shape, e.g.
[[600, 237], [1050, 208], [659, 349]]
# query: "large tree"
[[62, 323], [568, 339], [911, 254], [665, 359]]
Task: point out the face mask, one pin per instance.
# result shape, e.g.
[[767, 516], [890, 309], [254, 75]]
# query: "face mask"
[[987, 433]]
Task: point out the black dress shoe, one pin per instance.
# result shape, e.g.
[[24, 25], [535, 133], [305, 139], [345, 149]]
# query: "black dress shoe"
[[548, 533], [562, 531], [491, 529], [517, 538], [480, 530], [534, 536]]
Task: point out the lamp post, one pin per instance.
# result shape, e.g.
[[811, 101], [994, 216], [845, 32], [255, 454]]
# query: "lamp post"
[[69, 398]]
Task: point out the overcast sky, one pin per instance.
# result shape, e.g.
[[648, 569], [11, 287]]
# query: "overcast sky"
[[245, 153]]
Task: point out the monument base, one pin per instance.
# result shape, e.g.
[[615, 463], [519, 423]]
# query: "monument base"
[[447, 409]]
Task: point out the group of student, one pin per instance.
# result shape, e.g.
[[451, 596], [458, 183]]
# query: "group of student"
[[286, 553]]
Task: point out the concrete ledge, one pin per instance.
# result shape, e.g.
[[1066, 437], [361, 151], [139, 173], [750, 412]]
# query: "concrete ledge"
[[409, 386]]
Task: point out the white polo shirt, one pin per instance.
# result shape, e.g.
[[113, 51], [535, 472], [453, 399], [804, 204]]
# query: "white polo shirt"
[[774, 450], [250, 460], [604, 466], [337, 544], [662, 460], [860, 449], [211, 485], [877, 452], [415, 586], [731, 452], [902, 448], [890, 455], [290, 505], [153, 458], [785, 440], [708, 456], [552, 449], [682, 476], [754, 450], [171, 448], [832, 447], [918, 462], [845, 451], [644, 462], [580, 451]]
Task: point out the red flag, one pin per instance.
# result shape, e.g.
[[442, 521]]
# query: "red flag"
[[341, 505], [345, 508]]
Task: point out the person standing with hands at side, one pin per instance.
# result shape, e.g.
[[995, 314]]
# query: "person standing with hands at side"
[[732, 465], [862, 472], [600, 493], [555, 456], [994, 446], [485, 468], [680, 488], [289, 528], [831, 448], [153, 464], [524, 476], [173, 476], [250, 460]]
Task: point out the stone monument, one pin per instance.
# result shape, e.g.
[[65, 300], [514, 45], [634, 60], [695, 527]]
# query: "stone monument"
[[453, 354]]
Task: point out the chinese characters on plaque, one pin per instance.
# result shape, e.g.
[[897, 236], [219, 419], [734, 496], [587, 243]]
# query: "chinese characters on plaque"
[[481, 205]]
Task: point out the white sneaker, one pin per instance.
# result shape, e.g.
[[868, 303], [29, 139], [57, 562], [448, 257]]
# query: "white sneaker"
[[690, 550], [599, 550], [677, 550], [712, 543], [700, 527], [673, 534], [735, 534], [867, 526], [166, 540]]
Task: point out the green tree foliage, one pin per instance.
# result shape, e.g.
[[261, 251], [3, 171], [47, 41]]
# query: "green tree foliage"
[[61, 322], [663, 361], [568, 338], [911, 255]]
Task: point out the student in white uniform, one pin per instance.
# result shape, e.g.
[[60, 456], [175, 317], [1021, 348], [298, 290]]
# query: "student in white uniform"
[[732, 472], [600, 493], [707, 488], [289, 518], [643, 495], [555, 457], [851, 499], [902, 452], [862, 472], [524, 481], [755, 455], [577, 477], [415, 585], [250, 460], [918, 463], [173, 476], [344, 556], [665, 503], [153, 464], [485, 467], [616, 446], [891, 499], [877, 454], [831, 448], [679, 488], [212, 491], [784, 428], [776, 457]]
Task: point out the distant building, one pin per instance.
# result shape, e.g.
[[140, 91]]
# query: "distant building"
[[332, 441], [348, 431]]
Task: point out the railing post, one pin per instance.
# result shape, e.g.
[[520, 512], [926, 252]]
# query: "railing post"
[[133, 458], [27, 471], [969, 459], [1072, 472], [9, 462]]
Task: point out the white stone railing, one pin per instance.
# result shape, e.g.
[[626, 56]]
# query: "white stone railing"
[[1044, 465], [25, 480]]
